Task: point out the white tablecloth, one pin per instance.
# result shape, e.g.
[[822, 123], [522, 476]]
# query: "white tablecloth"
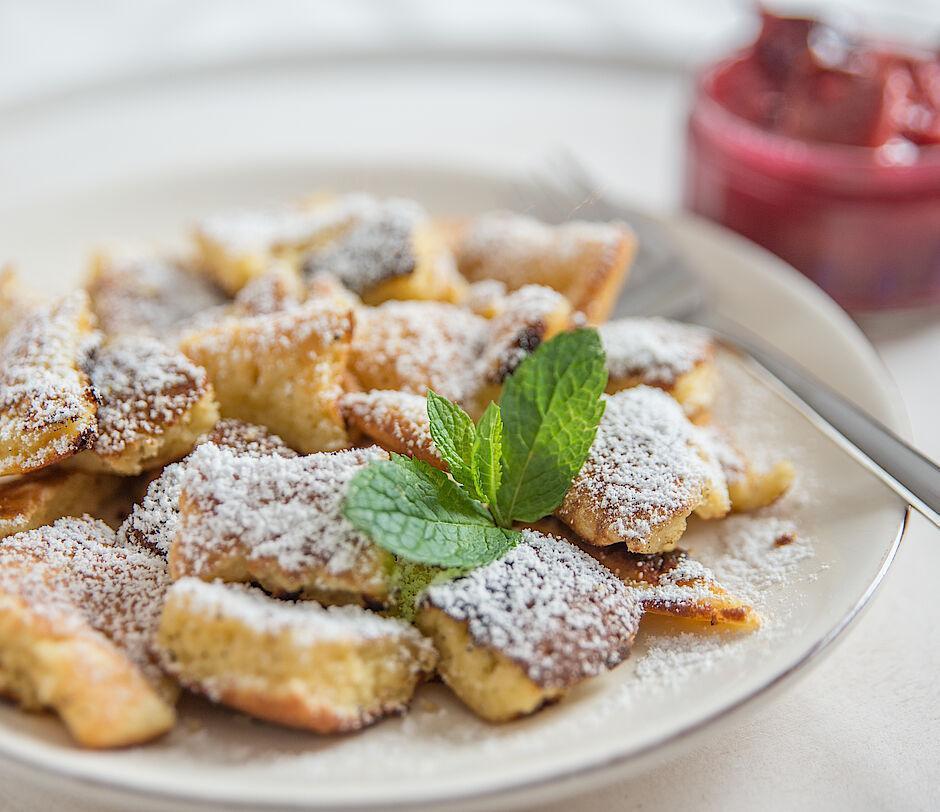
[[858, 732]]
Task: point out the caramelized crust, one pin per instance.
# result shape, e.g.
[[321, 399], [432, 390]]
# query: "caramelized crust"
[[397, 421], [138, 293], [43, 497], [587, 262], [153, 405], [326, 670], [284, 371], [47, 405]]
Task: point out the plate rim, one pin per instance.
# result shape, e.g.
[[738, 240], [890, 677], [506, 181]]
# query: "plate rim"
[[608, 767]]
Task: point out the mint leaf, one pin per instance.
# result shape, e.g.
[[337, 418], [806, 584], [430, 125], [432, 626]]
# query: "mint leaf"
[[551, 408], [453, 433], [412, 579], [419, 514], [487, 459]]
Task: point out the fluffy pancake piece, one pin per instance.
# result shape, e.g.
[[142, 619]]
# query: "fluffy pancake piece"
[[522, 630], [645, 474], [326, 670], [133, 292], [672, 356], [153, 405], [284, 371], [278, 522], [47, 405], [750, 488], [77, 615], [416, 346], [37, 499], [154, 522], [587, 262], [397, 421], [391, 251]]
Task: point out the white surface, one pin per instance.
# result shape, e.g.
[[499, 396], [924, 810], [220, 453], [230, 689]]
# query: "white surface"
[[859, 731]]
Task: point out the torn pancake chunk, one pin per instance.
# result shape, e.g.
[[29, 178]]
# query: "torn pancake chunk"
[[47, 404], [391, 251], [139, 293], [279, 288], [154, 522], [521, 631], [153, 405], [278, 522], [284, 371], [528, 317], [675, 584], [397, 421], [645, 474], [587, 262], [678, 358], [77, 616], [416, 346], [296, 664], [37, 499], [749, 487]]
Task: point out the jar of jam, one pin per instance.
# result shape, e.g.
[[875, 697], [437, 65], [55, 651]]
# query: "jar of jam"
[[826, 151]]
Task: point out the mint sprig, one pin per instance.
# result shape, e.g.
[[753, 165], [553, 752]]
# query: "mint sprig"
[[421, 515], [516, 464]]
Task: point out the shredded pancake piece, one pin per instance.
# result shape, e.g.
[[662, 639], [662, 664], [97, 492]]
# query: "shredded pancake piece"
[[523, 629], [397, 421], [153, 404], [278, 522], [47, 405], [645, 473], [154, 522], [80, 614], [323, 669]]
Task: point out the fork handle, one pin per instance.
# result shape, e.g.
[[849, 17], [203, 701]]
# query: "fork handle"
[[910, 474]]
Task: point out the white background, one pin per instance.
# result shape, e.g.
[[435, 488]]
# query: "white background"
[[862, 730]]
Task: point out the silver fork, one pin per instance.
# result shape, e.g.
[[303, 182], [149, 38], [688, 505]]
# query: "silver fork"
[[662, 284]]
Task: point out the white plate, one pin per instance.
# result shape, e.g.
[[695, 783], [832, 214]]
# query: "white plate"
[[439, 754]]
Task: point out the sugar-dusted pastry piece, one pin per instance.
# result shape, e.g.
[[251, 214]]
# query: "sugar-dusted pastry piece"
[[137, 292], [37, 499], [278, 522], [416, 346], [47, 404], [645, 474], [527, 318], [16, 300], [154, 521], [391, 251], [587, 262], [77, 615], [486, 298], [280, 287], [521, 631], [296, 664], [153, 405], [749, 487], [678, 358], [284, 370], [397, 421], [236, 247]]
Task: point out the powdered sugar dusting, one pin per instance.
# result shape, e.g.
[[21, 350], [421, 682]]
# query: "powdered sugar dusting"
[[272, 508], [143, 388], [643, 468], [403, 414], [654, 351], [72, 573], [548, 606]]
